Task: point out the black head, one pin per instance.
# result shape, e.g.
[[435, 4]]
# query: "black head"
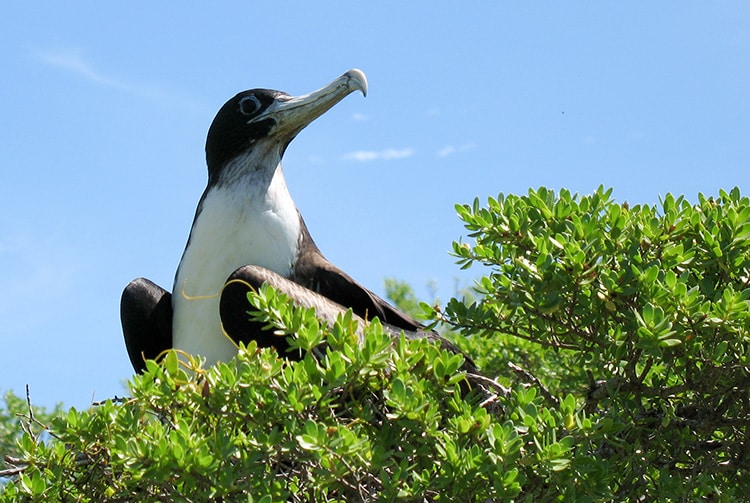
[[240, 123], [270, 117]]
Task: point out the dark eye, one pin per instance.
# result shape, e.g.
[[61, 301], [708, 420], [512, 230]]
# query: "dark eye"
[[249, 105]]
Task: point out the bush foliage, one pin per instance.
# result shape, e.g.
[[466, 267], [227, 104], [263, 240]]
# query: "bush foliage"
[[621, 333]]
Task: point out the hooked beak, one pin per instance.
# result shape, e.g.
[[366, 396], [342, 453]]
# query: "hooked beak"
[[292, 115]]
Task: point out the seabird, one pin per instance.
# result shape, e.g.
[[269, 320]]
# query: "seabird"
[[247, 231]]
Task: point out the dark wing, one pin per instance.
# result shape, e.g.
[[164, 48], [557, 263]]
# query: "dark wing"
[[234, 310], [236, 321], [146, 316], [315, 272], [234, 307]]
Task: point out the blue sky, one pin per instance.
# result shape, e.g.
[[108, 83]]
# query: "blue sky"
[[105, 109]]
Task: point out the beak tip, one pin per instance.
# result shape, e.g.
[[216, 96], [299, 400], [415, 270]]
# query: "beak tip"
[[357, 80]]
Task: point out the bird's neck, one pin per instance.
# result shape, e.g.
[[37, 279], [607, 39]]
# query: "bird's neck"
[[256, 169], [250, 219]]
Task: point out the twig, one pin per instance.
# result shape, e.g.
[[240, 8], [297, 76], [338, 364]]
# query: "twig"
[[9, 472], [28, 402], [26, 425], [490, 383], [529, 377], [17, 465]]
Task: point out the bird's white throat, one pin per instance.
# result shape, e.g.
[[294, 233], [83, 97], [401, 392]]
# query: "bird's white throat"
[[238, 223]]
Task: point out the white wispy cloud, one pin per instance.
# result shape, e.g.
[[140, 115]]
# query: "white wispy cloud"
[[73, 62], [360, 117], [388, 154], [446, 151], [452, 149]]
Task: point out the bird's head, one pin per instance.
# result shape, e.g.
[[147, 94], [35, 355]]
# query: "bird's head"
[[268, 120]]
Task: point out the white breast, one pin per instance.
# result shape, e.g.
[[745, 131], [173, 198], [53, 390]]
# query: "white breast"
[[238, 225]]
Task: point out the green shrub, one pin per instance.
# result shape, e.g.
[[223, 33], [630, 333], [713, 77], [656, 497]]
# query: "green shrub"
[[640, 312], [621, 333], [357, 421]]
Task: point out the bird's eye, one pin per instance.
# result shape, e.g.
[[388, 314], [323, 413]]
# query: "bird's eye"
[[249, 105]]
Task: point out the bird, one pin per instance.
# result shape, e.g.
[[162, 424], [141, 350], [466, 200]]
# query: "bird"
[[248, 231]]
